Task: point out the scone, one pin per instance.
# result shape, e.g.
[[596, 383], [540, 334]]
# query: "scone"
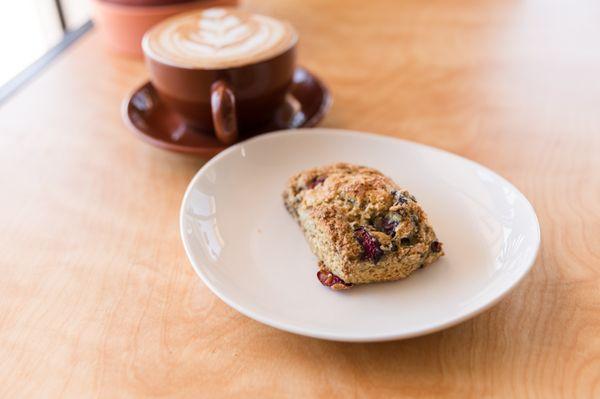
[[361, 225]]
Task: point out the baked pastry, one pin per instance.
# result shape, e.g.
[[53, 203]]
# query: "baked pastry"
[[361, 225]]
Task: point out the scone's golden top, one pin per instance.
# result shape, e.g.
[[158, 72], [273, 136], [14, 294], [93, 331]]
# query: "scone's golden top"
[[364, 212]]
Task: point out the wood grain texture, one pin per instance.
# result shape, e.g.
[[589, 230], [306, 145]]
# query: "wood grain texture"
[[98, 300]]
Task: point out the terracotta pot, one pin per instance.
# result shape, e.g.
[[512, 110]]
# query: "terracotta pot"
[[146, 2], [123, 26]]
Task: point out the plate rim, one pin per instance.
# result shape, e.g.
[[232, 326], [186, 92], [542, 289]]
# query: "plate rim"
[[283, 326]]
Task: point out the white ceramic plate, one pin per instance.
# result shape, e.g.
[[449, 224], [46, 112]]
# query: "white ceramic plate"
[[252, 255]]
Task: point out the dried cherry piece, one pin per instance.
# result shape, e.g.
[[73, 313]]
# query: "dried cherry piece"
[[315, 182], [329, 279], [435, 246], [370, 245], [388, 226]]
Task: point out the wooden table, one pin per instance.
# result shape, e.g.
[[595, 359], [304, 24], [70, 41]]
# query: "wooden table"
[[97, 298]]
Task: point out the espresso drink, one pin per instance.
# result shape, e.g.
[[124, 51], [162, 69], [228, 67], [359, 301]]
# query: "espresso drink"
[[222, 69], [218, 38]]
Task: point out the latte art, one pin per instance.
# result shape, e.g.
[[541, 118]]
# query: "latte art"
[[218, 38]]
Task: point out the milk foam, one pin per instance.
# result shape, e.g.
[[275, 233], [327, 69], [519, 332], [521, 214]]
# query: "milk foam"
[[218, 38]]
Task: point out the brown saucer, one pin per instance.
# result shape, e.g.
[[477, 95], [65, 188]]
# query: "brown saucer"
[[306, 104]]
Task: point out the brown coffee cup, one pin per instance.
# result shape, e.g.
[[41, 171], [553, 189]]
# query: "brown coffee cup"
[[230, 97]]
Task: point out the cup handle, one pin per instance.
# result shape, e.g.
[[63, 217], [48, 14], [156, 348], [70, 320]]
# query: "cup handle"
[[224, 116]]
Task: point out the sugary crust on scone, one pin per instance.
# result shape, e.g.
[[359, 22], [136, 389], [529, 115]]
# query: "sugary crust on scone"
[[361, 225]]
